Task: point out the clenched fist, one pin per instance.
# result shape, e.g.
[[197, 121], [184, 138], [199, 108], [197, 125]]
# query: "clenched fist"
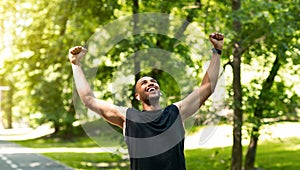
[[76, 54], [217, 39]]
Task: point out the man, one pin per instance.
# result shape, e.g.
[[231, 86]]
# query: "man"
[[154, 136]]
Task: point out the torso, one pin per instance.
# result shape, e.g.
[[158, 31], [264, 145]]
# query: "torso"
[[155, 139]]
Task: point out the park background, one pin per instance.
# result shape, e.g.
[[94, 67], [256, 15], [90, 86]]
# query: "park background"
[[260, 61]]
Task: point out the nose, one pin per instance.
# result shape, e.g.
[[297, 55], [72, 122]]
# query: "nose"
[[150, 84]]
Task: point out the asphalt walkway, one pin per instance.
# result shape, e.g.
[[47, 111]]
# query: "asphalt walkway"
[[11, 159]]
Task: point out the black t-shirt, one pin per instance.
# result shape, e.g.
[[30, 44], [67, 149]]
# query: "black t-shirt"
[[155, 139]]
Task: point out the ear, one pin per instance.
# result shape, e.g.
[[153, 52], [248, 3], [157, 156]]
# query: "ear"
[[137, 96]]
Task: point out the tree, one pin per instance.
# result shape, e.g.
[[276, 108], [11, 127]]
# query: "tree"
[[46, 31], [8, 20], [279, 41], [236, 157]]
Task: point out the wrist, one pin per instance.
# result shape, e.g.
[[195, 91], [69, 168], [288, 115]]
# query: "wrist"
[[76, 64], [217, 51]]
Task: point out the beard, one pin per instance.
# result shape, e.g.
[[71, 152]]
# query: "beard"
[[152, 98]]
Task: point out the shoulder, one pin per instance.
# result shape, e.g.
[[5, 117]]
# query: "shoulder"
[[172, 109], [132, 111]]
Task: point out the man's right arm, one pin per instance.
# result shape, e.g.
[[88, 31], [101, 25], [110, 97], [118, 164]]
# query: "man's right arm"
[[110, 112]]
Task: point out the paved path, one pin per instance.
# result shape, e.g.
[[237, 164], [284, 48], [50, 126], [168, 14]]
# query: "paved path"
[[11, 159]]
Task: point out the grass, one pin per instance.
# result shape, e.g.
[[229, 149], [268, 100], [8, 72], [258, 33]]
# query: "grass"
[[91, 161], [274, 155], [84, 142], [80, 142], [283, 155]]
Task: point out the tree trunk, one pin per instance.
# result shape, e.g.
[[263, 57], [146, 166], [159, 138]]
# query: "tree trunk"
[[237, 157], [189, 18], [258, 115], [237, 150], [69, 130], [137, 63], [251, 152], [9, 107]]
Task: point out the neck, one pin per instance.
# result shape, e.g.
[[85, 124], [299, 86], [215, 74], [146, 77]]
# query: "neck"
[[151, 107]]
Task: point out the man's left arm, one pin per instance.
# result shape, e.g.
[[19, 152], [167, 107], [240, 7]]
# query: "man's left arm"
[[189, 105]]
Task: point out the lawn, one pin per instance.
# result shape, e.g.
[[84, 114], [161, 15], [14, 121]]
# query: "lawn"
[[281, 154]]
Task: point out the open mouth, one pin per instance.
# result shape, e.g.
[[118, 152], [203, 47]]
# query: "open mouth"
[[151, 89]]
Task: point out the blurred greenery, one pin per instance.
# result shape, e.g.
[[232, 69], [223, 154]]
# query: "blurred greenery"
[[35, 37]]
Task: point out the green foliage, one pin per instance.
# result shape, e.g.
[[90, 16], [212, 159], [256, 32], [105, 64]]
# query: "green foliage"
[[43, 32], [275, 40]]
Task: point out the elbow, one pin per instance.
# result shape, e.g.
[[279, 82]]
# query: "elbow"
[[87, 101], [209, 85], [212, 87]]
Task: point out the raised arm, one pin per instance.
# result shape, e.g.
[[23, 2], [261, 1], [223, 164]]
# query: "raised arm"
[[195, 100], [111, 113]]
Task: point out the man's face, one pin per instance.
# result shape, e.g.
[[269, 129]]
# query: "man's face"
[[147, 89]]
